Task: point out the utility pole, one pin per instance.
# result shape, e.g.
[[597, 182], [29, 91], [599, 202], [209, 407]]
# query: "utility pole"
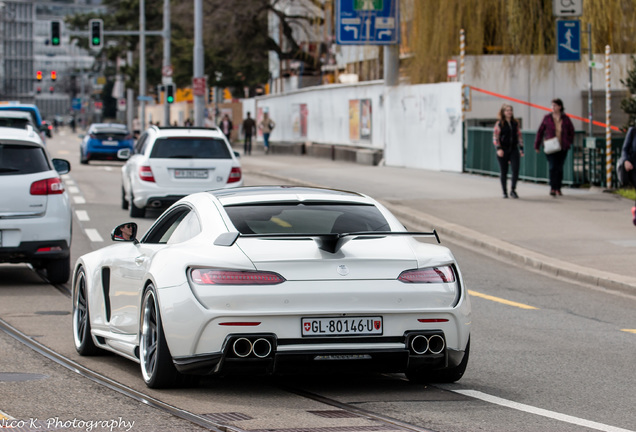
[[142, 63], [199, 100], [166, 59], [590, 94]]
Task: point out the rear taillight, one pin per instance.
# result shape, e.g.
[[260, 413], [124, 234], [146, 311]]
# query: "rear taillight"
[[234, 277], [52, 186], [443, 274], [235, 175], [145, 173], [93, 136], [128, 137]]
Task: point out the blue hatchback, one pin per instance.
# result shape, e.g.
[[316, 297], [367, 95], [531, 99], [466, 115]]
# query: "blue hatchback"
[[104, 141]]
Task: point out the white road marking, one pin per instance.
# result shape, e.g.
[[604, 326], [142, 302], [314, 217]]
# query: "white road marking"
[[539, 411], [93, 235], [82, 215], [79, 200], [73, 189]]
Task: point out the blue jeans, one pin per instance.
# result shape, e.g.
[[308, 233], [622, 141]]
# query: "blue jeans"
[[555, 168], [266, 140]]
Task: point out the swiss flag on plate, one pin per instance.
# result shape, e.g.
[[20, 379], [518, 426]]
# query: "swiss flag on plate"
[[377, 324], [307, 326]]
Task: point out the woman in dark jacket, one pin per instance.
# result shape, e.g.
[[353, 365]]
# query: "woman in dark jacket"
[[628, 156], [556, 124], [509, 146]]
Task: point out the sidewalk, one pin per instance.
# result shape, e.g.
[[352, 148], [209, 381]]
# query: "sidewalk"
[[586, 235]]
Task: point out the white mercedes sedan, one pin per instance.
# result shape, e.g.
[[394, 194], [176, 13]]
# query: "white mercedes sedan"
[[270, 279]]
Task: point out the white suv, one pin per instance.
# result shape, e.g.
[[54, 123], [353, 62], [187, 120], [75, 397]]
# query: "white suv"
[[35, 211], [169, 163]]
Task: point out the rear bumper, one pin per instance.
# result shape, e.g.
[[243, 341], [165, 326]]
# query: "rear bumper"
[[313, 359], [35, 252]]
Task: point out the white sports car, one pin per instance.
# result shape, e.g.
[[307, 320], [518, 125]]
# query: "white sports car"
[[270, 279]]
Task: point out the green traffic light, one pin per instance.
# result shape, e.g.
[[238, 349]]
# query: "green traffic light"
[[56, 41], [95, 41]]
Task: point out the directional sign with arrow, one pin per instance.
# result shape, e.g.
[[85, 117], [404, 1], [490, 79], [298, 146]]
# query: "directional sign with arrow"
[[567, 8], [367, 22]]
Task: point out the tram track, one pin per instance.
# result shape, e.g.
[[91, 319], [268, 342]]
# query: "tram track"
[[382, 422]]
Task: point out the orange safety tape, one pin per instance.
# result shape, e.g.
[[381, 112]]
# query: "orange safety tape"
[[615, 128]]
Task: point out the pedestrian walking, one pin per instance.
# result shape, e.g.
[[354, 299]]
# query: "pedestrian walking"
[[267, 126], [509, 147], [226, 127], [556, 135], [249, 127], [628, 162]]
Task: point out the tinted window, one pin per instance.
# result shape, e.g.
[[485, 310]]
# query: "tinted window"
[[306, 218], [190, 148], [20, 159], [14, 123], [116, 135], [163, 229]]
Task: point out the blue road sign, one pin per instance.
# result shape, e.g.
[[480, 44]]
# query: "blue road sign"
[[367, 22], [569, 40], [76, 104]]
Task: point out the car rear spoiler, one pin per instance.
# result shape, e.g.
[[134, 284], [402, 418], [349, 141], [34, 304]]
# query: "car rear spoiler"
[[328, 242]]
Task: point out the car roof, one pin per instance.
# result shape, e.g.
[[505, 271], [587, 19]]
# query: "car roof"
[[15, 114], [108, 127], [265, 194], [24, 107], [176, 131], [14, 134]]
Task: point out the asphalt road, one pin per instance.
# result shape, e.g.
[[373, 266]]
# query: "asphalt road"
[[545, 354]]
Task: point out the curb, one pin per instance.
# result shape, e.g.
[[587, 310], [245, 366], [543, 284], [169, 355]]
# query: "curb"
[[499, 249]]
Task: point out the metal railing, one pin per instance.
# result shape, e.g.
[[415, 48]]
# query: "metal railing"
[[584, 165]]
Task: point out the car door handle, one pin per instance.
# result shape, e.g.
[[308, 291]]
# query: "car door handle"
[[140, 260]]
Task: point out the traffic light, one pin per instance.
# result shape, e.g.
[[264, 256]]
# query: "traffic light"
[[95, 34], [55, 33], [53, 75], [211, 95], [38, 75], [170, 93], [51, 89]]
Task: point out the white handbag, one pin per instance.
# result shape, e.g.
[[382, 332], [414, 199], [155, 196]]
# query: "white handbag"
[[551, 145]]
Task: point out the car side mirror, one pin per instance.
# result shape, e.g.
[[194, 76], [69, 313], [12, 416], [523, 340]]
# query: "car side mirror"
[[237, 154], [81, 136], [62, 166], [126, 232], [123, 154]]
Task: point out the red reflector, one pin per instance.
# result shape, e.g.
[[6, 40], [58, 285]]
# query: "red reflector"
[[235, 175], [52, 186], [145, 173], [48, 249], [231, 277], [432, 320], [428, 275], [240, 324]]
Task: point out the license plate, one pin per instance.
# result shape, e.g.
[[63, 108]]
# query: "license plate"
[[191, 173], [339, 326], [109, 143]]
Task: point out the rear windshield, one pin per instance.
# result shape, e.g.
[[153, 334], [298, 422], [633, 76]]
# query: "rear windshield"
[[306, 218], [18, 123], [117, 135], [190, 148], [20, 159]]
